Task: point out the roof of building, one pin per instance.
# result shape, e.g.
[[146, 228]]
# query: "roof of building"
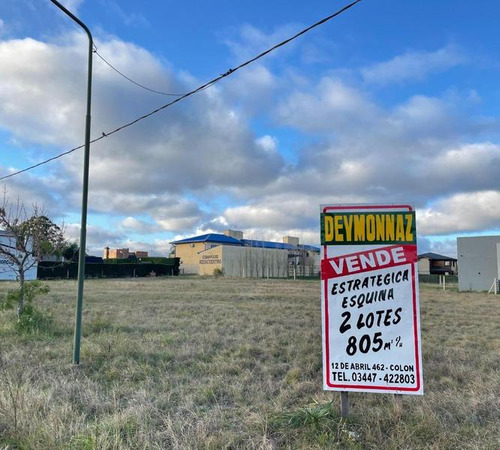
[[268, 244], [210, 237], [228, 240], [435, 256], [278, 245], [311, 248]]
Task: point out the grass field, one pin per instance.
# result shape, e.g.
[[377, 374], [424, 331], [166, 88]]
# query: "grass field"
[[215, 363]]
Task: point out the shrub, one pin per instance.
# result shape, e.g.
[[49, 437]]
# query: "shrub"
[[218, 272], [32, 319]]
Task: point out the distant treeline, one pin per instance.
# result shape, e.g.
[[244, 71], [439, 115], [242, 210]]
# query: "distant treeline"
[[110, 269]]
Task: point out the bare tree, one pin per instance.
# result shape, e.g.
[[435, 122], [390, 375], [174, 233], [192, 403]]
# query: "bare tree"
[[302, 261], [281, 265], [309, 264], [26, 238]]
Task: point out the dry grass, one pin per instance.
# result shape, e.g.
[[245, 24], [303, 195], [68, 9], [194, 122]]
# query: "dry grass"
[[230, 363]]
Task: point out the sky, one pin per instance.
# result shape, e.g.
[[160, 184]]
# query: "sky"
[[390, 102]]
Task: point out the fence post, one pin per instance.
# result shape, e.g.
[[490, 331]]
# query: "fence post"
[[344, 404], [398, 403]]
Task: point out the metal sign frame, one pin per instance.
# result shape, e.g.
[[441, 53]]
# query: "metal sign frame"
[[375, 346]]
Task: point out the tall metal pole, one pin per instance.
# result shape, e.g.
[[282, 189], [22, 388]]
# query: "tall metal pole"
[[85, 195]]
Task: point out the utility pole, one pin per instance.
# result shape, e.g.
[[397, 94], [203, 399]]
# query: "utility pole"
[[85, 194]]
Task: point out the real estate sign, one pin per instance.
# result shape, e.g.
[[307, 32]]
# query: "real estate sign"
[[369, 298]]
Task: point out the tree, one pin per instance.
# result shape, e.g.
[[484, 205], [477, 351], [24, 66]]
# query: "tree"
[[70, 251], [26, 238], [47, 236]]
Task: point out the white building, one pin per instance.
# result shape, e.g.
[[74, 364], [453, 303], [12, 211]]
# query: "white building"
[[7, 269], [478, 262], [232, 255]]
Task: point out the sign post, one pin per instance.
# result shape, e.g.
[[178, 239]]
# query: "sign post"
[[369, 297]]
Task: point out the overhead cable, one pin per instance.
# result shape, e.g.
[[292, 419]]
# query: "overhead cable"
[[131, 80], [182, 97]]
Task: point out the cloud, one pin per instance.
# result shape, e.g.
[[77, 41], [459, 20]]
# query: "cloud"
[[412, 151], [461, 213], [214, 225], [413, 66], [199, 143], [252, 89], [47, 192], [165, 212], [97, 237], [138, 226], [31, 83], [177, 215], [198, 167], [443, 246], [285, 214], [72, 5], [128, 18], [251, 41], [260, 216], [468, 167], [329, 106]]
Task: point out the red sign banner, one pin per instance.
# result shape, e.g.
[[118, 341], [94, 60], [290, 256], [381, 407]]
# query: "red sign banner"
[[380, 258]]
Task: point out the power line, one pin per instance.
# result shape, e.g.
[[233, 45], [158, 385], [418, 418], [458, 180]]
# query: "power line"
[[131, 80], [182, 97]]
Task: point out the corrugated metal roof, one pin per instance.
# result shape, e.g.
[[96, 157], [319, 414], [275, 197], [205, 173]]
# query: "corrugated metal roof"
[[211, 237], [278, 245], [228, 240], [267, 244], [310, 248], [436, 256]]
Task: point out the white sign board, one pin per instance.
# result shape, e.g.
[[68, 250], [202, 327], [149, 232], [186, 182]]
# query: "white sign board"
[[369, 298], [7, 269]]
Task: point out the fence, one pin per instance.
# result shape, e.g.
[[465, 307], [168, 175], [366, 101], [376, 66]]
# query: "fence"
[[301, 271], [495, 287], [107, 270], [453, 279]]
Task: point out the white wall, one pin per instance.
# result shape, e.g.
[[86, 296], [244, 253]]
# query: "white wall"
[[478, 262], [254, 262], [424, 266], [7, 270], [498, 261]]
